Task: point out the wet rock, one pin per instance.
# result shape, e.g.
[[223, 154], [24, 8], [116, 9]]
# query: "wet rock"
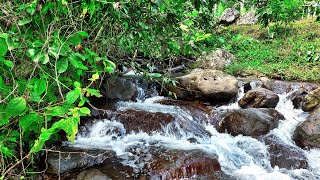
[[198, 110], [283, 155], [229, 16], [208, 85], [138, 120], [311, 101], [92, 174], [165, 164], [296, 97], [68, 160], [217, 59], [73, 161], [248, 18], [281, 87], [120, 89], [307, 134], [250, 122], [259, 98]]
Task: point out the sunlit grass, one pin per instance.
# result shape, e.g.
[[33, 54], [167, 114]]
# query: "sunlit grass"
[[293, 53]]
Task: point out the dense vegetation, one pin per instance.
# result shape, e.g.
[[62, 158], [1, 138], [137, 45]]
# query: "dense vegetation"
[[55, 54], [291, 54]]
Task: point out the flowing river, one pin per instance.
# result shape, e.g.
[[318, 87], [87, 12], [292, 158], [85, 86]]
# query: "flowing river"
[[240, 157]]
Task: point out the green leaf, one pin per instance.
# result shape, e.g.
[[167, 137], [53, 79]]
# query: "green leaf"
[[31, 53], [28, 121], [16, 106], [110, 63], [71, 127], [75, 40], [54, 51], [40, 86], [62, 65], [156, 75], [35, 97], [83, 33], [194, 13], [4, 36], [3, 47], [94, 77], [71, 97], [8, 63], [109, 70], [44, 59], [23, 22], [58, 110], [85, 111], [4, 119], [77, 63], [6, 151], [94, 92]]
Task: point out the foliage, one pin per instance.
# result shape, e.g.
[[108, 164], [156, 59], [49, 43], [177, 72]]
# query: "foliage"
[[44, 74], [280, 11], [291, 57], [53, 52]]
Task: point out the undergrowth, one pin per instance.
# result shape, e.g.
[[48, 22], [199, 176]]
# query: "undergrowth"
[[286, 52]]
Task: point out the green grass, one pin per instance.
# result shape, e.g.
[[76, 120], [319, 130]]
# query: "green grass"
[[293, 53]]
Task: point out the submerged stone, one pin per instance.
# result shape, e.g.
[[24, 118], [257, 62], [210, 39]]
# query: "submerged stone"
[[284, 155]]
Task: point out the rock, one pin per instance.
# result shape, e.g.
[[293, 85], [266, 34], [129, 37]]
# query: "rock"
[[249, 122], [208, 85], [296, 97], [120, 89], [199, 111], [284, 155], [92, 174], [259, 98], [307, 134], [165, 164], [248, 18], [281, 87], [217, 59], [138, 120], [311, 101], [72, 161], [229, 16], [69, 160]]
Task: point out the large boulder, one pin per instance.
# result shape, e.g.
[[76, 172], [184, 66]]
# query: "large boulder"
[[68, 160], [248, 18], [250, 122], [297, 96], [259, 98], [163, 163], [208, 85], [217, 59], [307, 134], [120, 89], [311, 101], [229, 16], [284, 155]]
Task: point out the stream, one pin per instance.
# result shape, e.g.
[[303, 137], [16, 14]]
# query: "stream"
[[240, 157]]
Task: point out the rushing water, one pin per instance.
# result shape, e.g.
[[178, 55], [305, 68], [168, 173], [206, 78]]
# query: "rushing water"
[[241, 157]]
